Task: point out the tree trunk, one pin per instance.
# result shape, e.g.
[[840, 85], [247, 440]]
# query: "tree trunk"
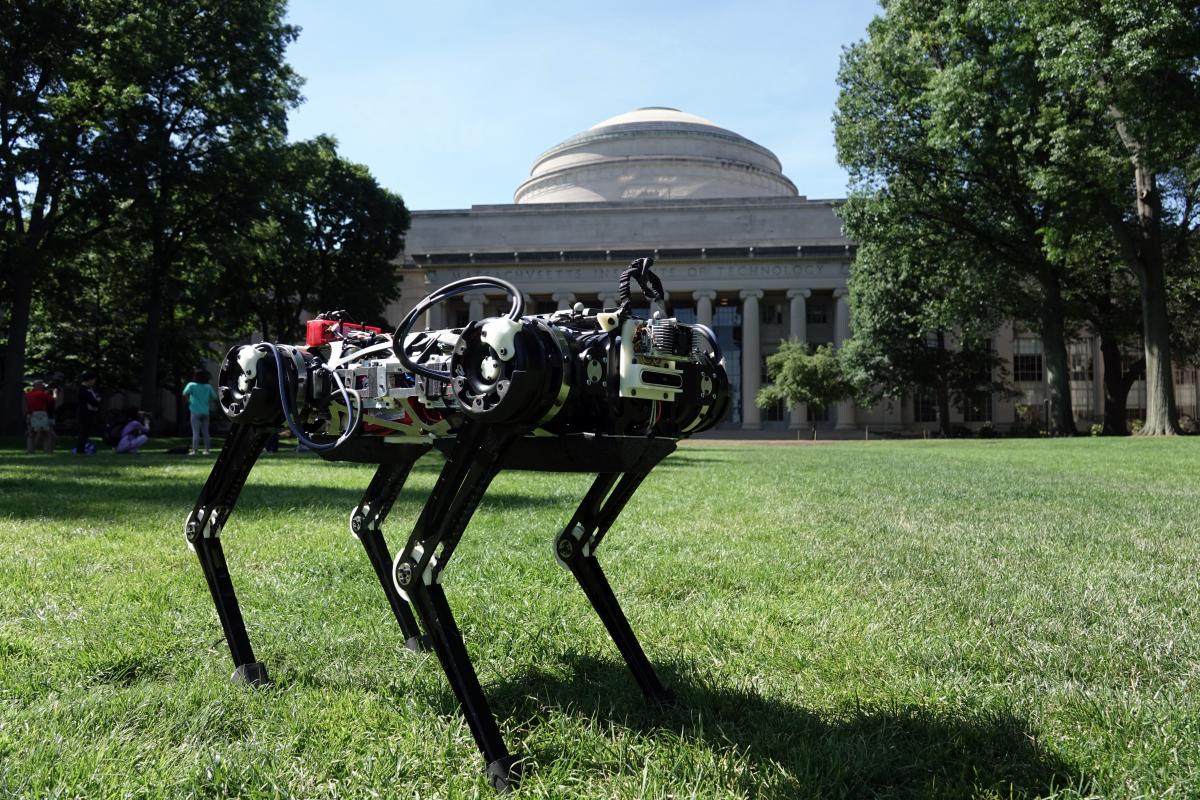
[[12, 410], [1144, 255], [942, 389], [152, 331], [1162, 419], [1116, 389], [1054, 354]]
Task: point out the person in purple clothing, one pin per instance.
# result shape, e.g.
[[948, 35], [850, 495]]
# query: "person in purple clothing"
[[135, 433]]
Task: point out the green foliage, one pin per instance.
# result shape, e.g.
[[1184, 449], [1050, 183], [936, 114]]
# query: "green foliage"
[[799, 375], [84, 316], [49, 125], [326, 241], [1001, 137], [931, 125], [195, 85], [150, 203]]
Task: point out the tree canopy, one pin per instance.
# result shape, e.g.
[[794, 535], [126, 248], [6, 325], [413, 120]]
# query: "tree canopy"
[[145, 174], [989, 135]]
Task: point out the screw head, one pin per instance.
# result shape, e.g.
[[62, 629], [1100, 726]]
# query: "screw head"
[[356, 523], [404, 574], [566, 548]]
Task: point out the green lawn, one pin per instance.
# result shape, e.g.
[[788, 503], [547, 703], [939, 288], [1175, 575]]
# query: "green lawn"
[[891, 619]]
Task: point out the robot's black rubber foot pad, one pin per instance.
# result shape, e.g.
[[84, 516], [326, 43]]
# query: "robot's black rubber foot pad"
[[252, 674], [505, 774], [665, 699], [419, 644]]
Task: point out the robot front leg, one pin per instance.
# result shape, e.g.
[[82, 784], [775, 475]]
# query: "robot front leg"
[[575, 549], [469, 468], [203, 530], [366, 523]]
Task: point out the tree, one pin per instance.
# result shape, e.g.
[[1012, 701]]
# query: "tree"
[[1125, 75], [921, 314], [199, 82], [800, 376], [930, 124], [326, 241], [49, 112]]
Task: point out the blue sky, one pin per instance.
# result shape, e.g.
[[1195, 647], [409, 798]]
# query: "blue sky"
[[450, 102]]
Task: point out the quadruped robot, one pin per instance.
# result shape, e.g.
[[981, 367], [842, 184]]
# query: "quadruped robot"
[[580, 390]]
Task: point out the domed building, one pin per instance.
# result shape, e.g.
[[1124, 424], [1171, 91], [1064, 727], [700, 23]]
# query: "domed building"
[[736, 245], [654, 153]]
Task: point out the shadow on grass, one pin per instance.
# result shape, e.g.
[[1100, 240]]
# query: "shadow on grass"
[[893, 751], [62, 498]]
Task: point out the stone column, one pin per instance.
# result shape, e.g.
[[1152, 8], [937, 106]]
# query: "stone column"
[[798, 330], [704, 300], [841, 332], [564, 299], [751, 358], [433, 317], [475, 302], [607, 300]]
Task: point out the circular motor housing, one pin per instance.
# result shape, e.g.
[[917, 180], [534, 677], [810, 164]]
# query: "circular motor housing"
[[248, 384], [517, 387]]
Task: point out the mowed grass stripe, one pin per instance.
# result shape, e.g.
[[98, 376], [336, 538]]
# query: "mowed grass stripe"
[[895, 619]]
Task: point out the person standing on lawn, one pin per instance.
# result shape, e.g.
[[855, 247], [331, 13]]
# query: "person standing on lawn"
[[87, 413], [200, 395], [39, 417]]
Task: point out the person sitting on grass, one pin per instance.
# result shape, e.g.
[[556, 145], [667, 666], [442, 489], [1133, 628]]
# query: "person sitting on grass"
[[135, 433]]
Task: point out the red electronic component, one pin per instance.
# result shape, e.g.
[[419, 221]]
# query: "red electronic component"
[[324, 331]]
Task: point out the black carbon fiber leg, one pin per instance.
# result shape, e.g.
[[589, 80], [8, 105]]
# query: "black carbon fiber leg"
[[575, 549], [366, 523], [469, 468], [203, 529], [503, 769]]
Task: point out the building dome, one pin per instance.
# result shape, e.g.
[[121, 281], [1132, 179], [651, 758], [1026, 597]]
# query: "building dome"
[[654, 153]]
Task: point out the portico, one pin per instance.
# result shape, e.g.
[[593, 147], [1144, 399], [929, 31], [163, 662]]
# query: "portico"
[[753, 303]]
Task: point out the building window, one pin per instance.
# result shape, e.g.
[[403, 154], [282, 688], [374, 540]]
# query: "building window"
[[727, 324], [772, 312], [1081, 400], [1185, 392], [726, 316], [977, 407], [925, 407], [1083, 365], [816, 314], [1135, 401], [776, 412], [1027, 360]]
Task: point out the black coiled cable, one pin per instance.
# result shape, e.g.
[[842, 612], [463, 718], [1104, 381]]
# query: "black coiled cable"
[[450, 290], [639, 270]]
